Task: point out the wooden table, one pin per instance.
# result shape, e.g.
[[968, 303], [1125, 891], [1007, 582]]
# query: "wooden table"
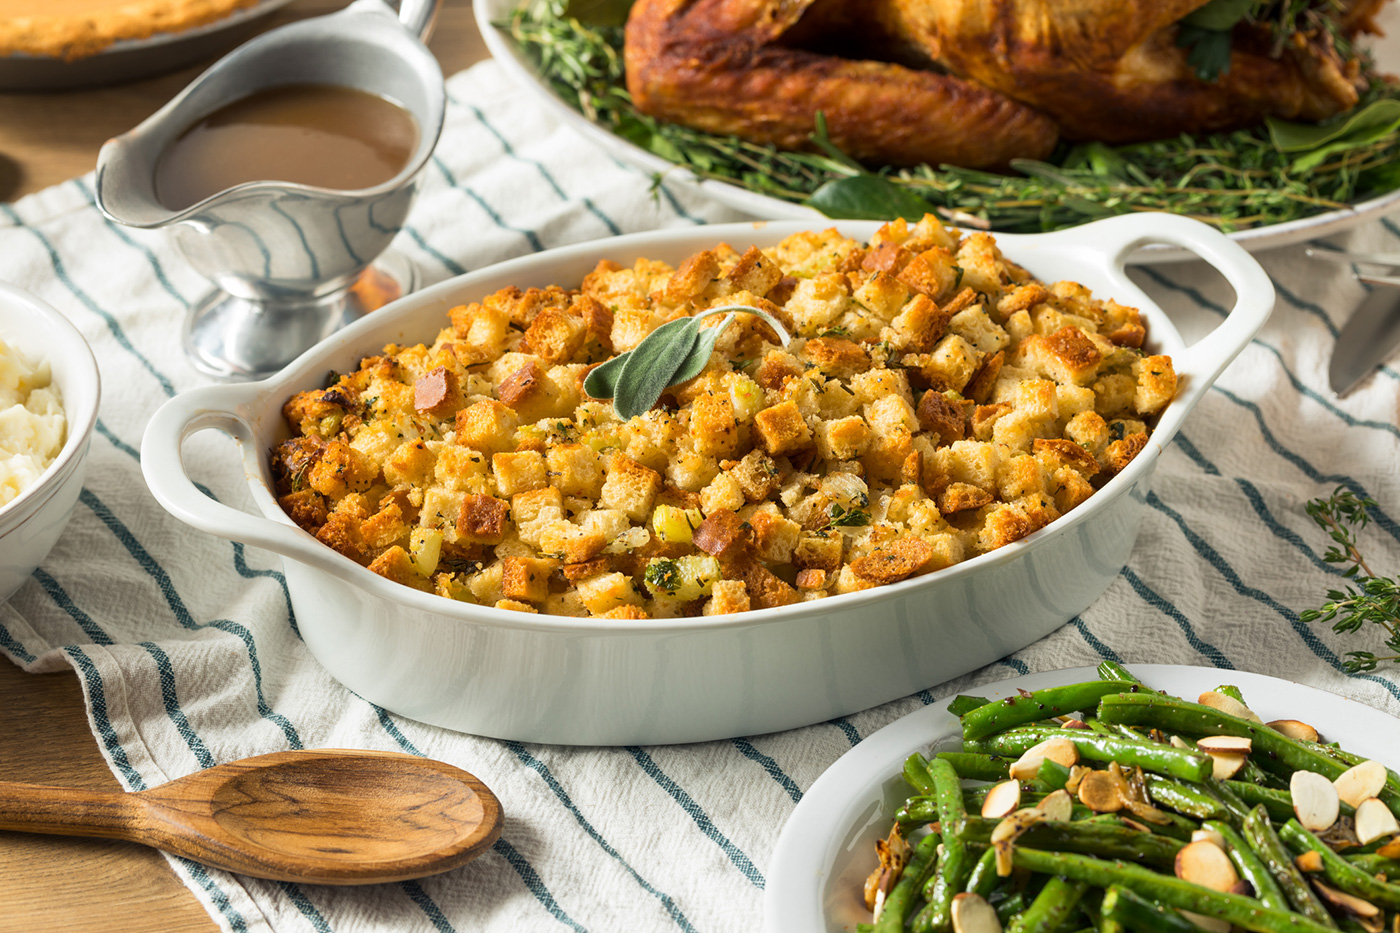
[[48, 882]]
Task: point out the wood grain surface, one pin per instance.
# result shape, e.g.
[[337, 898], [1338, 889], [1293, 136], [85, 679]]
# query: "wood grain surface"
[[73, 884]]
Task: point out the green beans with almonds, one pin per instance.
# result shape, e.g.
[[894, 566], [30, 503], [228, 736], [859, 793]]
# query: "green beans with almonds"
[[1000, 715], [1242, 911], [1339, 871], [1373, 864], [1260, 833], [955, 863], [916, 775], [983, 877], [1250, 866], [1131, 912], [1181, 716], [1152, 756], [1055, 903]]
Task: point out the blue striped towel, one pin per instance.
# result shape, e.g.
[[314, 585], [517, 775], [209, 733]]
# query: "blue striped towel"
[[188, 653]]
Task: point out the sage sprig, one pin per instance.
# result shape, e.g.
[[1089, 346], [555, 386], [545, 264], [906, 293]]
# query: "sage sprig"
[[675, 352]]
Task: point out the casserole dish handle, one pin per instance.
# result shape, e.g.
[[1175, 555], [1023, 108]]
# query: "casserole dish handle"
[[224, 408], [1204, 360]]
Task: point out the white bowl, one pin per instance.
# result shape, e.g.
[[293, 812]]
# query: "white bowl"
[[612, 682], [31, 523]]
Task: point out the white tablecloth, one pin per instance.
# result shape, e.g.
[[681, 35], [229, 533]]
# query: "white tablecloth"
[[188, 653]]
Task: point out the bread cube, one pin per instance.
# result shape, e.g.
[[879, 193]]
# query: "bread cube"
[[782, 429], [488, 426], [629, 487]]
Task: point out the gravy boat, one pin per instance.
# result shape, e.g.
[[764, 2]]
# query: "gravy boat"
[[284, 256]]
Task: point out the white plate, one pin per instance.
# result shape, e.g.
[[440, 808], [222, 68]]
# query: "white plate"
[[827, 847], [130, 59], [522, 70]]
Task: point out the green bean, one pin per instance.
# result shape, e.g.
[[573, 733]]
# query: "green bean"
[[1235, 808], [953, 866], [1250, 866], [1000, 715], [1152, 756], [1010, 907], [1131, 912], [1183, 798], [962, 704], [1275, 857], [1242, 911], [917, 811], [983, 878], [978, 767], [1373, 864], [916, 775], [1055, 903], [1112, 670], [901, 896], [1107, 838], [1052, 775], [1233, 692], [1269, 746], [1339, 871]]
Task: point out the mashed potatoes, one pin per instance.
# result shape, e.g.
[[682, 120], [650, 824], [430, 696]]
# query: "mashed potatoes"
[[32, 428]]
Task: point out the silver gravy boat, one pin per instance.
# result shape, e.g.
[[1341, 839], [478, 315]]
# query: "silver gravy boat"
[[284, 256]]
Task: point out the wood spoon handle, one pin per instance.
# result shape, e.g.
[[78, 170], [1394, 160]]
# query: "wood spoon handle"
[[67, 811]]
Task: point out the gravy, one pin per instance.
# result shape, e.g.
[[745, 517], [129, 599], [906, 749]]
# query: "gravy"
[[311, 134]]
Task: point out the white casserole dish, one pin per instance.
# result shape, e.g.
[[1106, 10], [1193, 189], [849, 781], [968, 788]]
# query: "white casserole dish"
[[573, 681]]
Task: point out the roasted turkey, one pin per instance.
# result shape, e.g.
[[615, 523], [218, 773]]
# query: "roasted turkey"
[[972, 82]]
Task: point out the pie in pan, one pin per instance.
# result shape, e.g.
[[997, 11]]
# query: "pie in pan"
[[74, 29]]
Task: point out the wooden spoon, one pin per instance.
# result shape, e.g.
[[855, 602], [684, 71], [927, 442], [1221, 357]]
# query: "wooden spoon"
[[325, 816]]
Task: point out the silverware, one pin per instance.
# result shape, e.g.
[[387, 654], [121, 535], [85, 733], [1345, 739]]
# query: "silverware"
[[1369, 337], [1378, 259]]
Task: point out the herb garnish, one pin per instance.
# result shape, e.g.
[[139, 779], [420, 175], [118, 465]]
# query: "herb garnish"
[[1373, 599], [841, 517], [673, 353], [663, 574]]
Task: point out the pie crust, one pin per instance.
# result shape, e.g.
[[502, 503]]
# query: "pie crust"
[[72, 29]]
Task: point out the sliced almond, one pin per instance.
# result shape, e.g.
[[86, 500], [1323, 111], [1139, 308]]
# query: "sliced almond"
[[1101, 792], [1058, 806], [1346, 903], [1309, 861], [1002, 799], [1075, 724], [1374, 821], [1315, 800], [1076, 776], [1006, 831], [1179, 742], [1134, 824], [1209, 924], [1361, 781], [1223, 767], [1208, 835], [972, 914], [1228, 705], [1390, 850], [1205, 863], [1225, 744], [1294, 729], [1058, 750]]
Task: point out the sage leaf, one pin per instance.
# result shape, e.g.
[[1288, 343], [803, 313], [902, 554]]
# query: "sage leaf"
[[651, 366], [868, 197], [601, 381], [705, 338], [1305, 137]]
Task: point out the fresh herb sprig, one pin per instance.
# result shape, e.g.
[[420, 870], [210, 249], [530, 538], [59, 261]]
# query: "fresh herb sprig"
[[1231, 180], [1372, 600], [673, 353]]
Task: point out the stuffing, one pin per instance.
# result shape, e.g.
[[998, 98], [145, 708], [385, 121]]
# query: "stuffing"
[[934, 403]]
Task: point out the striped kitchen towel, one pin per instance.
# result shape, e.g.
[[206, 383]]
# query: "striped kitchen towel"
[[189, 654]]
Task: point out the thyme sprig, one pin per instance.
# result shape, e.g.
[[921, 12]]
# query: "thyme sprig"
[[1372, 600], [1231, 180]]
